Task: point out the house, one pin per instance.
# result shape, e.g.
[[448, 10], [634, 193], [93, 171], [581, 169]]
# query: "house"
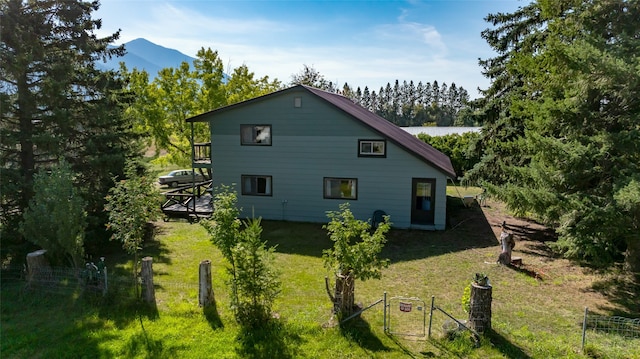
[[297, 153]]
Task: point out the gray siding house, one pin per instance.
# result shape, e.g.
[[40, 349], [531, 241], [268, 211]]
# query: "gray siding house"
[[297, 153]]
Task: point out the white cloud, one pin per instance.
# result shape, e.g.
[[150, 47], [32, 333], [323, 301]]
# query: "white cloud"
[[403, 50]]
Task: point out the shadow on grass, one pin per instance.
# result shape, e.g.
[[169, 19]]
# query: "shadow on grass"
[[273, 340], [213, 317], [623, 290], [358, 330], [507, 348], [468, 228]]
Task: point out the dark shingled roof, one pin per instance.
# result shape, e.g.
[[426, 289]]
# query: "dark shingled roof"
[[387, 129]]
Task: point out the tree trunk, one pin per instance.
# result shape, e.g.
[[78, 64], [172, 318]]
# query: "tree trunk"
[[205, 297], [344, 295], [507, 242], [480, 308], [39, 270], [148, 291], [632, 255]]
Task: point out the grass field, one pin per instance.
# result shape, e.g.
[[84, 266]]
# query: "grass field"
[[536, 312]]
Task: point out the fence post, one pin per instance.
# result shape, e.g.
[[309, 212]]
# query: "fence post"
[[147, 280], [433, 298], [584, 327], [384, 314], [106, 283], [205, 295]]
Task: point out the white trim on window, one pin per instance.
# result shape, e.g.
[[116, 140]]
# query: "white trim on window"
[[372, 148]]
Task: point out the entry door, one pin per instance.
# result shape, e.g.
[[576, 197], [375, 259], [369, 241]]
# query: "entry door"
[[423, 200]]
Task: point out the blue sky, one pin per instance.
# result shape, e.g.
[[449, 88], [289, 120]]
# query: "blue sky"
[[362, 43]]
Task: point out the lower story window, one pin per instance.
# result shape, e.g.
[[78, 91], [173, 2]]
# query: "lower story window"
[[256, 185], [341, 188]]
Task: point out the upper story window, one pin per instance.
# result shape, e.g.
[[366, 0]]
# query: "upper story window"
[[372, 148], [259, 135], [341, 188]]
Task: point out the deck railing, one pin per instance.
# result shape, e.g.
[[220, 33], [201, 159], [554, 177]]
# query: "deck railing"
[[202, 152], [190, 202]]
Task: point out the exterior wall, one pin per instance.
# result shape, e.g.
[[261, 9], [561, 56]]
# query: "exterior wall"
[[308, 144]]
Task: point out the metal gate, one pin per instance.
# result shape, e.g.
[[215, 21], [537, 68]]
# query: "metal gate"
[[405, 316]]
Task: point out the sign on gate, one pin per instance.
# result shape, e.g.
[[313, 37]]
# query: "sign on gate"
[[405, 316]]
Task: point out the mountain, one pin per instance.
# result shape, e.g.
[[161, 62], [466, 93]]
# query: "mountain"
[[145, 55]]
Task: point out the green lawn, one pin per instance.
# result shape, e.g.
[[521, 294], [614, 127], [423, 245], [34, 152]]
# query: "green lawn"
[[532, 317]]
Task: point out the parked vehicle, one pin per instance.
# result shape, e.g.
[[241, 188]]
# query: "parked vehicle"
[[178, 177]]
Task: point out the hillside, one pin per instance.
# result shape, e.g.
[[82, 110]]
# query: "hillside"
[[145, 55]]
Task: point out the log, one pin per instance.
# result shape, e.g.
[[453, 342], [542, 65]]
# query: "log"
[[480, 307], [148, 290], [38, 267], [205, 295]]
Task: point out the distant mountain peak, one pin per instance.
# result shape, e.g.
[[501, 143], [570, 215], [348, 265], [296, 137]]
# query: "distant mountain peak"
[[145, 55]]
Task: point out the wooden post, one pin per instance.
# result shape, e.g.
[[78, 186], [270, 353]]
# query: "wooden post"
[[205, 297], [480, 307], [38, 267], [148, 291]]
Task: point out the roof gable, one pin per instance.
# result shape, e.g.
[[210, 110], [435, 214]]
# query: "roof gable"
[[387, 129]]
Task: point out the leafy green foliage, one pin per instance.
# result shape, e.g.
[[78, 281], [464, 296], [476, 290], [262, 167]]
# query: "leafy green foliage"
[[224, 225], [55, 219], [161, 106], [457, 147], [254, 284], [131, 205], [355, 249], [257, 283]]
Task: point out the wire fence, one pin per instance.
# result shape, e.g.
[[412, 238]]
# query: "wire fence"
[[624, 328]]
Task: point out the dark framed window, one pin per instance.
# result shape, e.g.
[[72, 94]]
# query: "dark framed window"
[[255, 135], [340, 188], [372, 148], [256, 185]]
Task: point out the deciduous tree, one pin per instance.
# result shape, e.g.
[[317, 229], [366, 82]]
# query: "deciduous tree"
[[355, 254], [56, 219]]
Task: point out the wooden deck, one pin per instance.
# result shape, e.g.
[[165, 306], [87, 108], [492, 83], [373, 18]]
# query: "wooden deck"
[[191, 202]]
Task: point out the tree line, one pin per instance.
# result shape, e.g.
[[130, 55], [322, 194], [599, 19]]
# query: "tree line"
[[404, 103]]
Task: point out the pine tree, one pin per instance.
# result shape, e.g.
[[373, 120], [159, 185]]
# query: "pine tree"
[[55, 103], [566, 136]]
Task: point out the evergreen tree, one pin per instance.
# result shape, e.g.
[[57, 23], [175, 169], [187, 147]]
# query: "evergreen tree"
[[56, 104], [571, 154]]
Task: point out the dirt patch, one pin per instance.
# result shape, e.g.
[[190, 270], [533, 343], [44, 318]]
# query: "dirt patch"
[[609, 291]]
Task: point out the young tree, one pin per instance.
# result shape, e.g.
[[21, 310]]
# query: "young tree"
[[254, 282], [55, 219], [55, 103], [257, 283], [354, 255], [132, 204]]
